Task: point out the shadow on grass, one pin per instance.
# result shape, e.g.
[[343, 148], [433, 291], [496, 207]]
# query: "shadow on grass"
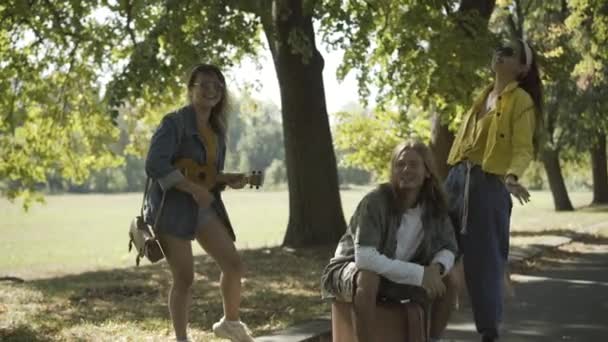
[[594, 208], [22, 333], [280, 287], [557, 255], [570, 233]]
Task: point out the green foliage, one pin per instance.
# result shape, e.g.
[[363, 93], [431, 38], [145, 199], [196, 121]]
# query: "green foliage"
[[349, 175], [53, 118], [168, 37], [50, 128], [588, 24], [64, 65], [256, 135], [576, 173], [366, 140], [276, 173], [423, 56], [542, 24], [573, 61], [128, 177], [418, 53], [588, 21], [534, 177]]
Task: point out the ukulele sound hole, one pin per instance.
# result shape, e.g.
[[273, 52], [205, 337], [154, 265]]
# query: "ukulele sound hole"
[[202, 176]]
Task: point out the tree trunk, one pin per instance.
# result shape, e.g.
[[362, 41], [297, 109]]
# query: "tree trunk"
[[441, 142], [484, 8], [561, 200], [441, 137], [599, 168], [315, 211]]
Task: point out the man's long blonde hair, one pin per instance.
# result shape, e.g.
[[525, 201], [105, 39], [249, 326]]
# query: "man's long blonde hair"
[[432, 195]]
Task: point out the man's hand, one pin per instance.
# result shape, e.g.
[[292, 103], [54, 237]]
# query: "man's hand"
[[517, 190], [432, 282]]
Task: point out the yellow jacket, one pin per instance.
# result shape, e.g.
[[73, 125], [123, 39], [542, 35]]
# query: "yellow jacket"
[[509, 147]]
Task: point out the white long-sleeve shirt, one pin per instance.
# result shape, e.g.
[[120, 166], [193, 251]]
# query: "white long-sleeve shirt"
[[400, 270]]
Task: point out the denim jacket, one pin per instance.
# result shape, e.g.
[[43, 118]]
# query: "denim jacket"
[[177, 137]]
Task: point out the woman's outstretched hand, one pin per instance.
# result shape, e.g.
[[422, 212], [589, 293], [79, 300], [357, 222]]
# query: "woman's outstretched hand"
[[517, 190]]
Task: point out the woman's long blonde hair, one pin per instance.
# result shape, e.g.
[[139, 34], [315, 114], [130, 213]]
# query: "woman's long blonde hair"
[[219, 113]]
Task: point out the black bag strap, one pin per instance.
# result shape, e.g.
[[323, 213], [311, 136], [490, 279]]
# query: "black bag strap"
[[143, 203], [160, 210], [143, 200]]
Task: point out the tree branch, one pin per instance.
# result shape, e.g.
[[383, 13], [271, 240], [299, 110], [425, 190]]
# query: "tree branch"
[[64, 104], [11, 111], [448, 10], [59, 20], [257, 7], [512, 25], [528, 7], [385, 13], [564, 10], [371, 4], [129, 10], [484, 9], [520, 19], [5, 15], [37, 33]]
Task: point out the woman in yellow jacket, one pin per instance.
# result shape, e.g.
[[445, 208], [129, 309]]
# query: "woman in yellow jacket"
[[495, 143]]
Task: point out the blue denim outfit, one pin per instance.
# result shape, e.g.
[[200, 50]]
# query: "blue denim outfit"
[[486, 242], [177, 137]]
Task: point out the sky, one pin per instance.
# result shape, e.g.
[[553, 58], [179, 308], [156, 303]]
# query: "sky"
[[337, 94]]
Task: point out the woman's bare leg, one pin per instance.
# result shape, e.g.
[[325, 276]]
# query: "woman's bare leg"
[[213, 237], [179, 257]]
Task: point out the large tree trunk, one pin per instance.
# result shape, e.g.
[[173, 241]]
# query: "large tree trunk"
[[483, 7], [441, 137], [315, 211], [561, 200], [599, 168], [441, 142]]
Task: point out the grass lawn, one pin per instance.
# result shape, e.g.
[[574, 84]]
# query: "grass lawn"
[[129, 304], [74, 233], [80, 283], [540, 215]]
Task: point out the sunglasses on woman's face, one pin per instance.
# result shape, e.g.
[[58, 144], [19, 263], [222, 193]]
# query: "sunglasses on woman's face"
[[506, 51]]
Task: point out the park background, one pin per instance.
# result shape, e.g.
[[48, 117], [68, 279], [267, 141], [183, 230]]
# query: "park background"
[[320, 93]]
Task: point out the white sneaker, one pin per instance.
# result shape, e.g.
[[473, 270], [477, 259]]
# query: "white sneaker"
[[235, 331]]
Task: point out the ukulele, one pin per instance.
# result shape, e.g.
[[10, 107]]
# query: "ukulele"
[[208, 176]]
